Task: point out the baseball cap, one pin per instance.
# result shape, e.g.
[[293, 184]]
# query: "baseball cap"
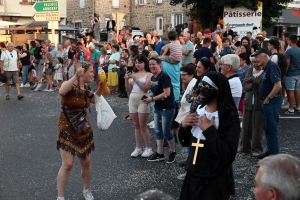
[[207, 31], [259, 51]]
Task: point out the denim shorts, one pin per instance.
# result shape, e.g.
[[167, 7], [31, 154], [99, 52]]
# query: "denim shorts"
[[292, 82]]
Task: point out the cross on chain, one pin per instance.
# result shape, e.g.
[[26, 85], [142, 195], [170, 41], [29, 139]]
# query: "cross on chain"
[[197, 145]]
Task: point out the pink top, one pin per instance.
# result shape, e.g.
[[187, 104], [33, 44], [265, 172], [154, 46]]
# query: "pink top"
[[175, 51]]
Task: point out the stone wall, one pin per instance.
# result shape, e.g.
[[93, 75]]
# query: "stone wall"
[[75, 13], [144, 16]]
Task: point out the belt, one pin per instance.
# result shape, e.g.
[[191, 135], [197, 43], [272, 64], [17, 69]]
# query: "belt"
[[277, 95]]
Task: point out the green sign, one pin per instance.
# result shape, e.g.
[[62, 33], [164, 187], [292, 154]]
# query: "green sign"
[[49, 6]]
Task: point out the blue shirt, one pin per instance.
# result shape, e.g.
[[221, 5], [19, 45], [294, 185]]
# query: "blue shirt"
[[94, 57], [293, 54], [203, 52], [173, 70], [242, 73], [158, 47], [271, 75]]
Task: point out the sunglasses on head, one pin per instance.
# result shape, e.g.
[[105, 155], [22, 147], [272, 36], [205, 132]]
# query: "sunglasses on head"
[[154, 58], [205, 59]]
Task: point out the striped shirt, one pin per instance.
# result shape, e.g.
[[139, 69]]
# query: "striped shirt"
[[175, 51]]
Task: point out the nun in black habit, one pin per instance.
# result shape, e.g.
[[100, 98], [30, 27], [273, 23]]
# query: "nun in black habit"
[[212, 133]]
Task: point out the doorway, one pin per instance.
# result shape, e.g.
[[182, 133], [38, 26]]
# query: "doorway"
[[160, 25]]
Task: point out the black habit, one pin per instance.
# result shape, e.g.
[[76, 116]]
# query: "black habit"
[[208, 178]]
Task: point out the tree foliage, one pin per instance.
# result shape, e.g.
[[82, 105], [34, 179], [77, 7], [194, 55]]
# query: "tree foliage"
[[209, 11]]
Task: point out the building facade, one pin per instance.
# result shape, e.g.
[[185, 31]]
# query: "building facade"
[[145, 14]]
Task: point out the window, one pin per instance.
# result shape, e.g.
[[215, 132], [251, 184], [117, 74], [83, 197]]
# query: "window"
[[115, 3], [143, 2], [160, 24], [158, 1], [178, 19], [81, 3], [77, 24]]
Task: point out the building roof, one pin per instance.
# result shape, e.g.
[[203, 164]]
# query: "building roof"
[[287, 18]]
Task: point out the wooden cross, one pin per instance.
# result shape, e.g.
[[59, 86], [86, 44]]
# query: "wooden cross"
[[197, 145]]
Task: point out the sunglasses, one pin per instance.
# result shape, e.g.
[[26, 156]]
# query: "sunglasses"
[[205, 59], [205, 87], [11, 55]]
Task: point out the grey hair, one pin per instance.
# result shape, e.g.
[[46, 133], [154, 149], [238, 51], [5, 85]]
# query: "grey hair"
[[91, 46], [9, 43], [265, 32], [229, 36], [282, 172], [103, 50], [52, 44], [233, 60], [266, 55]]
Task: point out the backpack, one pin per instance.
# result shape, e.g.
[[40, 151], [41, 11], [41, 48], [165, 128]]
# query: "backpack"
[[281, 63]]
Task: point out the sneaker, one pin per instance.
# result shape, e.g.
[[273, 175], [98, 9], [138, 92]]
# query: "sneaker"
[[50, 90], [151, 123], [181, 177], [137, 152], [22, 85], [255, 154], [156, 157], [297, 109], [88, 195], [172, 157], [147, 152], [46, 90], [288, 112], [27, 85]]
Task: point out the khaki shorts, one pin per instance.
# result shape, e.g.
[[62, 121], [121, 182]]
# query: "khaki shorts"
[[136, 105], [12, 75]]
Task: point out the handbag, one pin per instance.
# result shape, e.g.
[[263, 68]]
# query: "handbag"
[[105, 115], [3, 78], [181, 115], [36, 61], [79, 121]]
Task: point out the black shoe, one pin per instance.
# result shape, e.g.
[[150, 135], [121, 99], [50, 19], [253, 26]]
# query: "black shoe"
[[172, 157], [263, 155], [7, 97], [122, 96], [156, 157], [176, 139], [166, 144], [20, 97], [182, 164]]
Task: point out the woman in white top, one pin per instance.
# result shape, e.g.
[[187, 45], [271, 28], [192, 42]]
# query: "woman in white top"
[[137, 84], [103, 60]]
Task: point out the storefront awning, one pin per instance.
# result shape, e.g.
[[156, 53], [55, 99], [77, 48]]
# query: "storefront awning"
[[287, 19]]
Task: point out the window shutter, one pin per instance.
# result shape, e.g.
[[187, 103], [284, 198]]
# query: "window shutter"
[[81, 3], [115, 3]]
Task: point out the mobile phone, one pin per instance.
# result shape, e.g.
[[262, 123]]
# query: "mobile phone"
[[130, 69], [144, 97]]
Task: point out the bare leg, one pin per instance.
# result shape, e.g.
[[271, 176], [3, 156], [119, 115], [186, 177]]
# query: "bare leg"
[[7, 89], [86, 171], [291, 98], [137, 129], [49, 79], [160, 146], [297, 97], [18, 88], [172, 144], [64, 172], [143, 118]]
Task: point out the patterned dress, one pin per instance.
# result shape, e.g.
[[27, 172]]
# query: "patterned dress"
[[68, 140]]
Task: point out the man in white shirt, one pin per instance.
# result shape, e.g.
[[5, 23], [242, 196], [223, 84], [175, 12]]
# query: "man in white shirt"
[[186, 28], [9, 67]]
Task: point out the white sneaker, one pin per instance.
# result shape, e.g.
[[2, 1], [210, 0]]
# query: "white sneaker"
[[46, 90], [147, 152], [50, 90], [21, 85], [88, 195], [27, 85], [137, 152], [151, 123]]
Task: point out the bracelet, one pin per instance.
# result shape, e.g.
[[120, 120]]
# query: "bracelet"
[[152, 98], [91, 96]]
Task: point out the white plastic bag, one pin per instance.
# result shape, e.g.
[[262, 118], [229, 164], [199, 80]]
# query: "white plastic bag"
[[105, 115]]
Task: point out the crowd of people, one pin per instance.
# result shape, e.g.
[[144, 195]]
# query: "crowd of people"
[[197, 85]]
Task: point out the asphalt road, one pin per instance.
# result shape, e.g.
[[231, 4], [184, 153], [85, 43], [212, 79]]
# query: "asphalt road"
[[29, 161]]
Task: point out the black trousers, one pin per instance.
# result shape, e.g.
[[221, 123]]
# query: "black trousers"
[[122, 84]]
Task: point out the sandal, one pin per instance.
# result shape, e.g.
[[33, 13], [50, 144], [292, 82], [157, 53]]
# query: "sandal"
[[7, 97], [127, 118]]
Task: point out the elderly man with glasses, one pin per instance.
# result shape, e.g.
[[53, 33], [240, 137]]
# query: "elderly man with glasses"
[[9, 67]]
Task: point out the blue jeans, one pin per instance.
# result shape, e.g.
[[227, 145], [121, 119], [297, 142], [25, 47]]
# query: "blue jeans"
[[25, 77], [163, 122], [271, 114]]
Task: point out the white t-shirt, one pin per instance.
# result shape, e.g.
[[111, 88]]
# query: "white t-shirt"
[[236, 87], [196, 131], [274, 59], [11, 58], [186, 30]]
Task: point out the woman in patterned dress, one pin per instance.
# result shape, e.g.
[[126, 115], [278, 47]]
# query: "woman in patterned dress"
[[76, 98]]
